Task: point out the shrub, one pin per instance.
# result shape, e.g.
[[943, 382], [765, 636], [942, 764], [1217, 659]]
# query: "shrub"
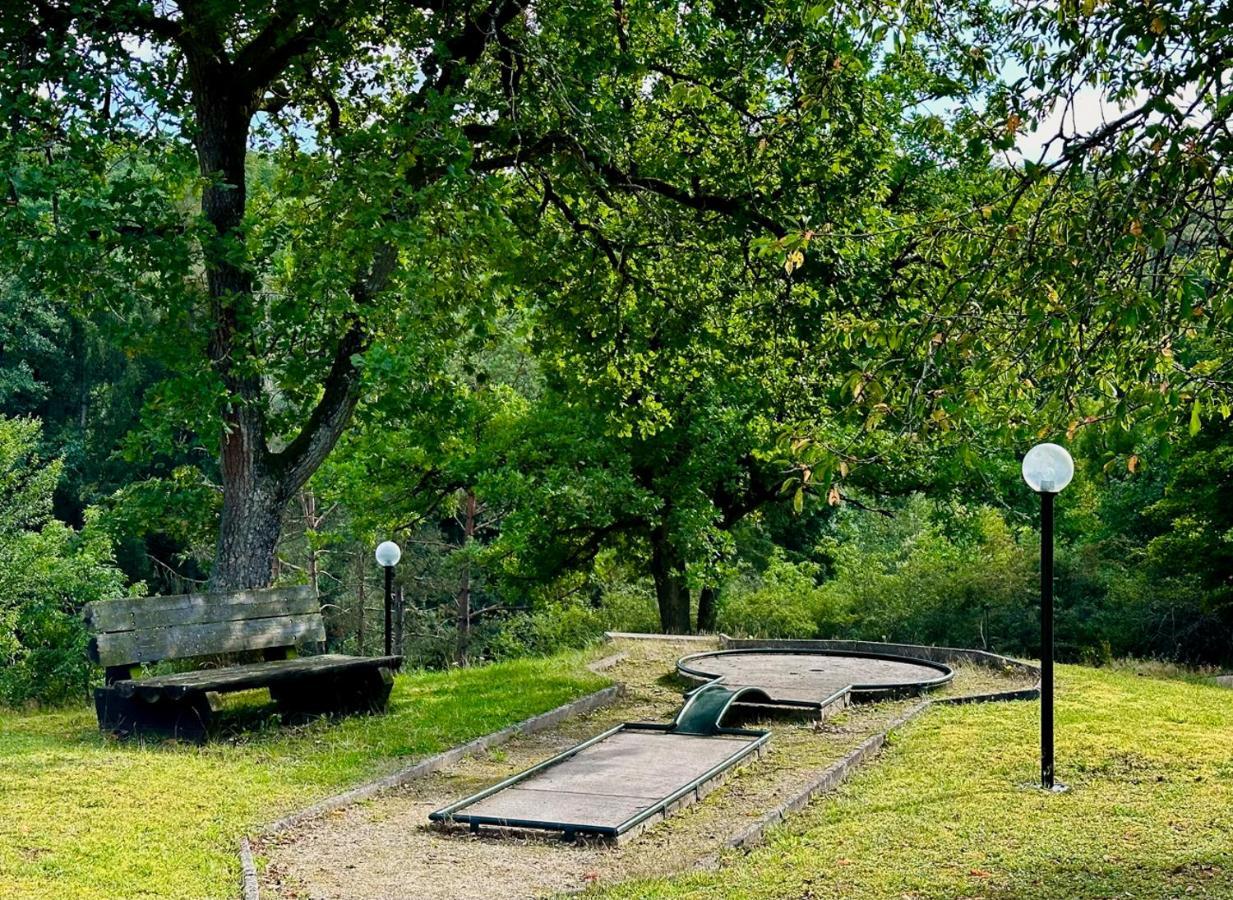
[[48, 572], [622, 606], [929, 575], [555, 627], [781, 602]]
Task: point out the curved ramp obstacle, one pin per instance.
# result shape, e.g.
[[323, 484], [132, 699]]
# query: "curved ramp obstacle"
[[623, 780]]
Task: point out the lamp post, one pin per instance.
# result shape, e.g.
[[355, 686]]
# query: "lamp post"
[[388, 553], [1047, 469]]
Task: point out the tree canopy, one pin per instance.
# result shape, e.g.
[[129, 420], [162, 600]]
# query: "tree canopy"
[[623, 273]]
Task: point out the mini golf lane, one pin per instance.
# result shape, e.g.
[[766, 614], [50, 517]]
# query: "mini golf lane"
[[816, 678], [622, 780]]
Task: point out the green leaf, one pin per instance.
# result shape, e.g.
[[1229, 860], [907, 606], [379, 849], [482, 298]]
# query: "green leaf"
[[1195, 422]]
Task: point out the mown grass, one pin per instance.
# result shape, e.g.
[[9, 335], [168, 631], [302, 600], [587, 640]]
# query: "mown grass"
[[951, 809], [83, 816]]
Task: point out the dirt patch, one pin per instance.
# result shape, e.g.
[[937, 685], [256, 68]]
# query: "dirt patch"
[[384, 848]]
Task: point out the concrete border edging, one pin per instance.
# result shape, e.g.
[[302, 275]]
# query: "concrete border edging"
[[581, 706], [248, 867], [651, 636], [603, 665]]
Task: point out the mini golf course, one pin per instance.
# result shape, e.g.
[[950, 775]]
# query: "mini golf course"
[[387, 844], [632, 775]]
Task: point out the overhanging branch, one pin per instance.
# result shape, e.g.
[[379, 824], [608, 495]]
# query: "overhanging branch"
[[341, 388]]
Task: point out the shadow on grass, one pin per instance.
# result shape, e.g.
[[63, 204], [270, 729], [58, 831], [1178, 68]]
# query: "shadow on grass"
[[674, 681]]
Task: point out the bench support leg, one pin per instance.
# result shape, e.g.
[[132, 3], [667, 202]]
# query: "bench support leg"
[[343, 693], [186, 718]]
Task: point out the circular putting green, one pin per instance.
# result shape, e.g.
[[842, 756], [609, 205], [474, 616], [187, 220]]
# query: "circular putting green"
[[816, 678]]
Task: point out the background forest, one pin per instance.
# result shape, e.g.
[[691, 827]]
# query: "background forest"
[[628, 316]]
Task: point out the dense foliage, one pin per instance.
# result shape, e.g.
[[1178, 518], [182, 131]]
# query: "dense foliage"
[[622, 315], [47, 571]]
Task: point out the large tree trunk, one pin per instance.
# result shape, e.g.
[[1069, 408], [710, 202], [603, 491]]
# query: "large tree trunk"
[[248, 533], [671, 589], [253, 495], [256, 482]]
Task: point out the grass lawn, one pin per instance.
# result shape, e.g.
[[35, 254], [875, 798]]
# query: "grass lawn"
[[81, 816], [950, 811]]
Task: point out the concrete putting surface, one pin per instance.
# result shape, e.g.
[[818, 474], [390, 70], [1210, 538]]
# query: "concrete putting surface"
[[612, 782], [815, 678]]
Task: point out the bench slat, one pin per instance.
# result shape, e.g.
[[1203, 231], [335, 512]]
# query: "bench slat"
[[185, 641], [253, 675], [136, 613]]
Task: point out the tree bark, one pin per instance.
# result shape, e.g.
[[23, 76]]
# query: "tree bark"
[[706, 609], [248, 531], [464, 587], [671, 589]]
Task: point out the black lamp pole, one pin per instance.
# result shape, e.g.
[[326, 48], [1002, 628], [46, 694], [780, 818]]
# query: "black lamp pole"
[[1047, 469], [1046, 640], [389, 606]]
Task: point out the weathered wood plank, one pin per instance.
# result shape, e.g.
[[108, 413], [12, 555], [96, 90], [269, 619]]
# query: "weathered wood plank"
[[253, 675], [186, 641], [136, 613]]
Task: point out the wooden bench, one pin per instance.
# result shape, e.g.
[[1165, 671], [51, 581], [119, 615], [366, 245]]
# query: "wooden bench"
[[273, 621]]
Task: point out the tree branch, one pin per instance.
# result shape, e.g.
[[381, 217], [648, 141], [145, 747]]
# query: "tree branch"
[[735, 207], [464, 49], [278, 44], [341, 388]]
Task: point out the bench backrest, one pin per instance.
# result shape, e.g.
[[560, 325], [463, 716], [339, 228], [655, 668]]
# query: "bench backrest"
[[149, 629]]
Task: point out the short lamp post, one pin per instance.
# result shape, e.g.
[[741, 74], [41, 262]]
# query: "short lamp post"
[[388, 553], [1047, 469]]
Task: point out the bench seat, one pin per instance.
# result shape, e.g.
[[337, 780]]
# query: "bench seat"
[[249, 676]]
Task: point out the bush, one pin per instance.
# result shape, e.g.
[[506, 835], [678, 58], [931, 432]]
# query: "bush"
[[930, 575], [45, 579], [48, 572], [622, 606], [555, 627], [781, 602]]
